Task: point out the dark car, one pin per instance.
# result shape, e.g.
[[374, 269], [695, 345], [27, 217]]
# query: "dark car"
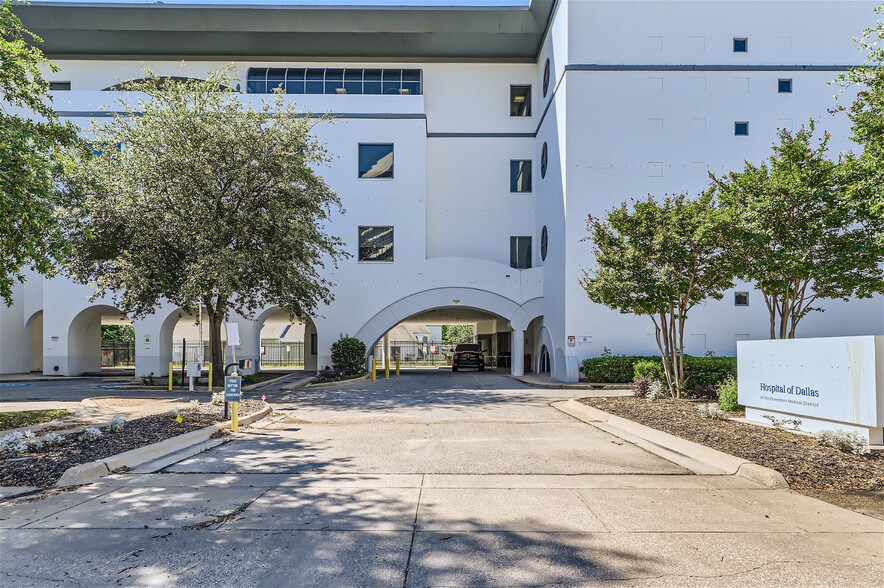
[[468, 355]]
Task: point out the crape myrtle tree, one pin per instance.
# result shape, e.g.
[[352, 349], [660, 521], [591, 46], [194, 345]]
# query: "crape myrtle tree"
[[799, 232], [191, 197], [29, 156], [659, 259]]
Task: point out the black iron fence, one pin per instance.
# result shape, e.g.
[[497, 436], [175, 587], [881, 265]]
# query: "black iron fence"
[[117, 354], [282, 353], [418, 353]]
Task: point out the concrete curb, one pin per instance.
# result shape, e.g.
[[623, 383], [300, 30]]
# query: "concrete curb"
[[89, 472], [92, 404], [699, 458], [572, 386], [364, 378], [264, 383]]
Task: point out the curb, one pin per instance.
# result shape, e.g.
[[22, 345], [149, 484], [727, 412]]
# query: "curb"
[[89, 472], [695, 457], [264, 383], [572, 386], [364, 378]]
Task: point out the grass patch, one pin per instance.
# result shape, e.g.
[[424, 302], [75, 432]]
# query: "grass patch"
[[25, 418]]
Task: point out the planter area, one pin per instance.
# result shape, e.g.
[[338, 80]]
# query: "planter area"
[[852, 481], [45, 466]]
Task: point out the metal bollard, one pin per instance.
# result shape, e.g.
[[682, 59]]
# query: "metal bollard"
[[374, 369]]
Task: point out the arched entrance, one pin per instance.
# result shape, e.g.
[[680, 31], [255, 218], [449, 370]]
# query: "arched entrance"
[[34, 328], [544, 366], [286, 343], [85, 353]]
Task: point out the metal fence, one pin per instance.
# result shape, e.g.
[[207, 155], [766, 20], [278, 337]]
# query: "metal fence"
[[190, 354], [282, 353], [117, 354], [418, 353]]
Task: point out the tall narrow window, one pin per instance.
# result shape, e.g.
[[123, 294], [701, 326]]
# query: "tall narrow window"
[[520, 175], [520, 252], [741, 45], [546, 78], [544, 160], [544, 243], [375, 243], [314, 344], [520, 100], [375, 160]]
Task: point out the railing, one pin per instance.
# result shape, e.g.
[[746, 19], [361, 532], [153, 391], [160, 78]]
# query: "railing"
[[117, 354], [282, 354], [417, 353]]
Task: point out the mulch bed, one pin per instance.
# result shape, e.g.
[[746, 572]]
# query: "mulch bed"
[[807, 466], [45, 467]]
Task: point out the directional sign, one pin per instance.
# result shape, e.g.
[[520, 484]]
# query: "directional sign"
[[232, 388]]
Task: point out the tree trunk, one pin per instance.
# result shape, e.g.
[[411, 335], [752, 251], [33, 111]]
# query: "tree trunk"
[[216, 346]]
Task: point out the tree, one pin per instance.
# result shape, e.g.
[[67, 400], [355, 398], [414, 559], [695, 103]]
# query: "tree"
[[124, 333], [659, 259], [195, 199], [29, 162], [864, 173], [798, 233], [457, 333]]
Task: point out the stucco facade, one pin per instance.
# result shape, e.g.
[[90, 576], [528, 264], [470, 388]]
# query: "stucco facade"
[[642, 98]]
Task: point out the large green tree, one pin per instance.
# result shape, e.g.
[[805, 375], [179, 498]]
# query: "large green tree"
[[457, 333], [30, 139], [798, 233], [659, 259], [197, 199]]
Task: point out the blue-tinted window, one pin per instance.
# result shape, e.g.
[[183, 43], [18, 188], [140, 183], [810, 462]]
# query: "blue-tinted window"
[[59, 86], [520, 175], [375, 160], [784, 86], [375, 243], [741, 128], [262, 80], [741, 45], [520, 252]]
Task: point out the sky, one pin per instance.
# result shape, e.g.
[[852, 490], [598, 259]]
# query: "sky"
[[306, 2]]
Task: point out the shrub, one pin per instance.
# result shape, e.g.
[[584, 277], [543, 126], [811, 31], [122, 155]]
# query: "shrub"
[[614, 369], [727, 395], [708, 371], [53, 439], [32, 441], [249, 379], [148, 379], [116, 423], [657, 391], [783, 423], [13, 444], [91, 434], [710, 411], [174, 413], [640, 387], [217, 397], [348, 356], [649, 368], [841, 440]]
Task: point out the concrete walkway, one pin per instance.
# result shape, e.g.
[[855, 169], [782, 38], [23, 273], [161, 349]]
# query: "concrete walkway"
[[432, 480]]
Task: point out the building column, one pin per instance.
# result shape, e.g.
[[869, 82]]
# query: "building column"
[[517, 352]]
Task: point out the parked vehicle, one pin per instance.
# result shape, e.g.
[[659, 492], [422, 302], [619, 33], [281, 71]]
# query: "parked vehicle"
[[468, 355]]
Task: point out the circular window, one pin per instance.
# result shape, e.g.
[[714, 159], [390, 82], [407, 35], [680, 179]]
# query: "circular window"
[[546, 78], [544, 243], [544, 157]]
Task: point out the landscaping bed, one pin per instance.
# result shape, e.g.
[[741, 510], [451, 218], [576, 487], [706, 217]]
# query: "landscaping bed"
[[43, 467], [845, 479]]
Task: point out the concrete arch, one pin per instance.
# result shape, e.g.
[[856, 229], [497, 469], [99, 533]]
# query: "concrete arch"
[[34, 347], [544, 339], [84, 339], [310, 336]]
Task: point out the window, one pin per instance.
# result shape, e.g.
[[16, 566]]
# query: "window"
[[741, 299], [546, 77], [314, 344], [520, 100], [59, 86], [520, 175], [520, 252], [741, 45], [544, 243], [334, 80], [741, 128], [784, 86], [375, 243], [544, 160], [375, 160]]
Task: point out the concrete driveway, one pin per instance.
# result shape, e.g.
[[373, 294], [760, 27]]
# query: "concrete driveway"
[[432, 479]]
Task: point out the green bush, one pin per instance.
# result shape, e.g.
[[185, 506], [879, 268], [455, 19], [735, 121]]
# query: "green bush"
[[708, 371], [727, 395], [614, 369], [651, 369], [348, 356]]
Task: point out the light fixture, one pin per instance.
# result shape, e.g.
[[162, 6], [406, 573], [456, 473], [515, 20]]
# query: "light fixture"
[[518, 99], [341, 90], [404, 91], [455, 301]]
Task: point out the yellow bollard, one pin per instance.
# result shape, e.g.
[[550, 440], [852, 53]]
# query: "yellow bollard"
[[234, 421], [387, 367], [210, 377], [374, 370], [397, 365], [170, 375]]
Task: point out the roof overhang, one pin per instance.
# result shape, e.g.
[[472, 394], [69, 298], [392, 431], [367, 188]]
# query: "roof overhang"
[[108, 30]]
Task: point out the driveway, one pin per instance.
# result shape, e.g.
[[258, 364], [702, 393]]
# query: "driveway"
[[432, 479]]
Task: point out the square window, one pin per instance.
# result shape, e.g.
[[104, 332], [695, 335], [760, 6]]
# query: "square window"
[[375, 243], [741, 299], [520, 100], [375, 160], [741, 129], [741, 45], [784, 86], [520, 252], [59, 86], [520, 175]]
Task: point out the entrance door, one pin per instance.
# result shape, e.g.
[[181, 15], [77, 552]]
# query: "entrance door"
[[544, 360]]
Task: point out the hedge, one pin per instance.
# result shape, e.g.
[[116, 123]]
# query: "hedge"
[[620, 369]]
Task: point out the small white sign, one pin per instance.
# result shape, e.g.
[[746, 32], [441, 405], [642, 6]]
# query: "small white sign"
[[830, 378], [147, 339], [232, 334], [572, 341], [584, 341]]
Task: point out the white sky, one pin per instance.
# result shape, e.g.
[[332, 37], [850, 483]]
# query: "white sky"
[[385, 3]]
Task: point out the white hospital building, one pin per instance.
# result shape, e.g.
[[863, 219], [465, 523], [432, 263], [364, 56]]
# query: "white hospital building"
[[471, 143]]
